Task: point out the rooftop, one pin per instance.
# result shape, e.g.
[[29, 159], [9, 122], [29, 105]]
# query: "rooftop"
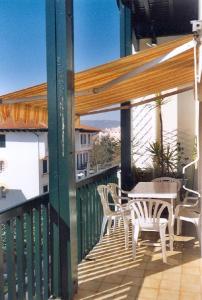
[[20, 125]]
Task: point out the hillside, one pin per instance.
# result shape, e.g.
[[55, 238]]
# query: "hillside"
[[102, 124]]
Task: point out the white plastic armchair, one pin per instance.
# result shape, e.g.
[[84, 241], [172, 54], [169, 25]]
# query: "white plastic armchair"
[[117, 192], [146, 215], [110, 215], [169, 179], [188, 211]]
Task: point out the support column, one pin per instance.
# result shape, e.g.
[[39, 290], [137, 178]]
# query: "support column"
[[126, 49], [60, 75], [200, 136], [199, 173]]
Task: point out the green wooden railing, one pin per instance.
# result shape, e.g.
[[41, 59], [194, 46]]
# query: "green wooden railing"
[[24, 250], [25, 256], [89, 210]]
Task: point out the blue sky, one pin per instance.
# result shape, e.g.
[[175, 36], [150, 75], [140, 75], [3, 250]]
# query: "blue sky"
[[23, 48]]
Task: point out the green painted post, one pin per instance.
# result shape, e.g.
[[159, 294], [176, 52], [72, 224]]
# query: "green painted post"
[[60, 74], [45, 252], [79, 224], [29, 253], [126, 49], [20, 257], [10, 260], [1, 265], [37, 252]]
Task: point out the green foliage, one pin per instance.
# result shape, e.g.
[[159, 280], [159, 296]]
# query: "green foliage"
[[168, 161], [106, 150]]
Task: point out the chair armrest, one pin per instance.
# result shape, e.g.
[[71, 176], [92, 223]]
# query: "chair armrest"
[[177, 209], [122, 207], [186, 199], [123, 198]]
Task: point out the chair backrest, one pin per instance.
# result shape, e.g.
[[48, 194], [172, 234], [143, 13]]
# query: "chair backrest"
[[149, 210], [169, 179], [115, 192], [103, 191]]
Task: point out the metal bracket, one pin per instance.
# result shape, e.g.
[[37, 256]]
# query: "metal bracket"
[[196, 25], [197, 30]]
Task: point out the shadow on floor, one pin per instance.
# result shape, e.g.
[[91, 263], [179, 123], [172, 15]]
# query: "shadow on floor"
[[109, 272]]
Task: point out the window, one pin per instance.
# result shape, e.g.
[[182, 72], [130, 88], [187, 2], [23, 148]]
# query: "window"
[[83, 139], [45, 188], [2, 141], [45, 166], [85, 157], [77, 161], [89, 139]]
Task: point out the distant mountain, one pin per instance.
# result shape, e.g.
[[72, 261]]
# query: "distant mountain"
[[102, 124]]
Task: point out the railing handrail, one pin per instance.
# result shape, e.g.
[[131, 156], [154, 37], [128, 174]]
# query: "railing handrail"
[[20, 208], [97, 176]]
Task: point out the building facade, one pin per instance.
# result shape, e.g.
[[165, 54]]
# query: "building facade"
[[24, 158]]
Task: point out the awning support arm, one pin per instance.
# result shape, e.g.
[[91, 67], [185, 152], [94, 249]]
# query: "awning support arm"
[[183, 48]]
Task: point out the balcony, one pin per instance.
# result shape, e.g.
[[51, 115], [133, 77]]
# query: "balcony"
[[106, 270], [26, 233]]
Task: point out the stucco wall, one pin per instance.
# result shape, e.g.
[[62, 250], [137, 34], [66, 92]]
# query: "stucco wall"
[[21, 163]]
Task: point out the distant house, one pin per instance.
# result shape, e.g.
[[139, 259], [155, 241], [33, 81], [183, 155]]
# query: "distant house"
[[83, 147], [24, 157]]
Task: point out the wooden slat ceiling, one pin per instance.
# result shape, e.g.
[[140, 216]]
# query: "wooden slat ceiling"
[[155, 18], [176, 72]]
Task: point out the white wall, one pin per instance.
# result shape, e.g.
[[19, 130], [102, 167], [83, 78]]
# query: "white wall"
[[23, 157], [21, 163]]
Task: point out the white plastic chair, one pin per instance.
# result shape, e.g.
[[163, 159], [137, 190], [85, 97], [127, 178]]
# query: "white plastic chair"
[[146, 215], [169, 179], [110, 215], [188, 211], [116, 193]]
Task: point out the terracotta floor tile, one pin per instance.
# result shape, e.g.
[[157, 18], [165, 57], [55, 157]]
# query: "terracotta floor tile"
[[190, 296], [148, 293], [109, 287], [173, 285], [115, 278], [191, 270], [151, 283], [168, 295], [190, 283], [131, 280], [92, 285], [171, 276], [113, 274], [135, 272], [152, 274]]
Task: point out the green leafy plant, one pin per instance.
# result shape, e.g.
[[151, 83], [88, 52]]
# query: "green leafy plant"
[[167, 161], [106, 150]]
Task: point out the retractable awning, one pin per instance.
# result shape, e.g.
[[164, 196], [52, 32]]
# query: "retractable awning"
[[151, 71]]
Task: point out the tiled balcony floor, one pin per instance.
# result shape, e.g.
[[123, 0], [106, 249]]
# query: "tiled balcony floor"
[[110, 272]]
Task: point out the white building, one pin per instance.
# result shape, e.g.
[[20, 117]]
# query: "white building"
[[83, 146], [114, 133], [24, 158]]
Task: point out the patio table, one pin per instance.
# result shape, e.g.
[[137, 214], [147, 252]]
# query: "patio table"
[[159, 190]]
